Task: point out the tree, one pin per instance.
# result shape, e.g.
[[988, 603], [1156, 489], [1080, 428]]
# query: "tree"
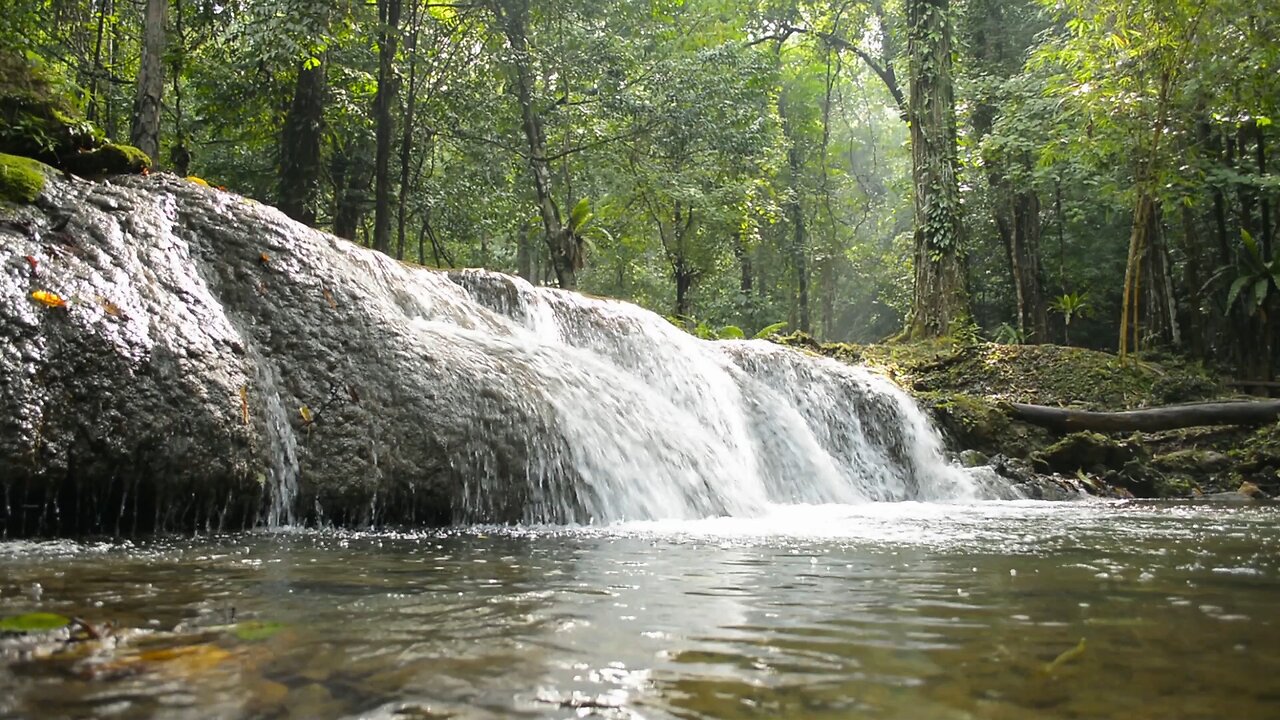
[[388, 37], [300, 142], [941, 300], [144, 131]]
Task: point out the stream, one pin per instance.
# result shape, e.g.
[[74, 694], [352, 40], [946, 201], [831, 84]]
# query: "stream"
[[882, 610]]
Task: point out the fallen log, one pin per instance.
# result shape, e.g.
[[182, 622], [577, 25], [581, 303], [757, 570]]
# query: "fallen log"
[[1150, 420]]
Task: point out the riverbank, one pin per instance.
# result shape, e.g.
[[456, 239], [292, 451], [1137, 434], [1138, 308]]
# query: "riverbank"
[[968, 387]]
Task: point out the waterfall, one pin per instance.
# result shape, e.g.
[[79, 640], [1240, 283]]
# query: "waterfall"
[[214, 349], [658, 424]]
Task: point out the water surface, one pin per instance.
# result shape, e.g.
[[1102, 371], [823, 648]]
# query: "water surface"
[[901, 610]]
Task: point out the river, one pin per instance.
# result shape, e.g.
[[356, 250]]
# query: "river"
[[884, 610]]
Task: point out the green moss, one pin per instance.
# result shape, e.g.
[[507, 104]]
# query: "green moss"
[[37, 116], [21, 179], [110, 159]]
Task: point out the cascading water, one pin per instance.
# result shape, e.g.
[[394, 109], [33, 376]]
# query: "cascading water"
[[658, 424], [217, 348]]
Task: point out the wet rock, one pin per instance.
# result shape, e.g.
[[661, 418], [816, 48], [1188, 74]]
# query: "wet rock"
[[212, 364], [973, 458], [1252, 491]]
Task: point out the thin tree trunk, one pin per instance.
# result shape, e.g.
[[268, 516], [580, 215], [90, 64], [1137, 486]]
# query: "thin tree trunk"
[[300, 145], [940, 299], [1260, 152], [406, 135], [92, 111], [179, 154], [389, 20], [1162, 308], [513, 16], [144, 133]]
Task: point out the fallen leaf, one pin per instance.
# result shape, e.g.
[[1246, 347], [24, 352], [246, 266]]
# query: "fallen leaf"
[[108, 307], [244, 404], [49, 299], [33, 263], [328, 296], [265, 258], [256, 630], [1066, 657], [305, 412], [34, 622], [188, 662]]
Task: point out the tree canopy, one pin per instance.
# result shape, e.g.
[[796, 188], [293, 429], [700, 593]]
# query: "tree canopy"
[[1087, 171]]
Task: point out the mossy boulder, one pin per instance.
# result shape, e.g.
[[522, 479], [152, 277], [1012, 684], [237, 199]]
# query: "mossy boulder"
[[110, 159], [978, 423], [21, 179], [38, 120], [1088, 452]]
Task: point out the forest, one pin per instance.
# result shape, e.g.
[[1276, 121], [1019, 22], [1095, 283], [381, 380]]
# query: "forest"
[[1080, 172]]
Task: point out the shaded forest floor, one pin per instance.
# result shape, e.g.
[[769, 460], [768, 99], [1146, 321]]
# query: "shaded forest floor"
[[967, 388]]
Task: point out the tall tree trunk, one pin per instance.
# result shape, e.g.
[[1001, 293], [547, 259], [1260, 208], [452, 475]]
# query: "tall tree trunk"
[[300, 145], [799, 249], [388, 36], [1033, 315], [940, 299], [513, 17], [1129, 304], [144, 133]]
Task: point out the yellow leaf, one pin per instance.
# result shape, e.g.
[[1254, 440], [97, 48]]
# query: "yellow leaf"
[[108, 307], [49, 299], [305, 412], [198, 180], [244, 404]]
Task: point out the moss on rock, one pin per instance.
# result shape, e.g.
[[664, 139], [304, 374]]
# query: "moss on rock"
[[38, 120], [1258, 459], [110, 159], [21, 179]]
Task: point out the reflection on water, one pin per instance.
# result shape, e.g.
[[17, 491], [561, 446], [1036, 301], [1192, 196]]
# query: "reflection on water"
[[879, 611]]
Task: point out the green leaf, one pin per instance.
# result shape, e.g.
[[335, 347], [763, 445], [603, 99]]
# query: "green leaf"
[[770, 330], [1260, 290], [1251, 245], [256, 630], [34, 622], [580, 216], [731, 332], [1236, 288]]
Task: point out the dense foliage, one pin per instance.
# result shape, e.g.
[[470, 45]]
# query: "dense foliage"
[[1093, 170]]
